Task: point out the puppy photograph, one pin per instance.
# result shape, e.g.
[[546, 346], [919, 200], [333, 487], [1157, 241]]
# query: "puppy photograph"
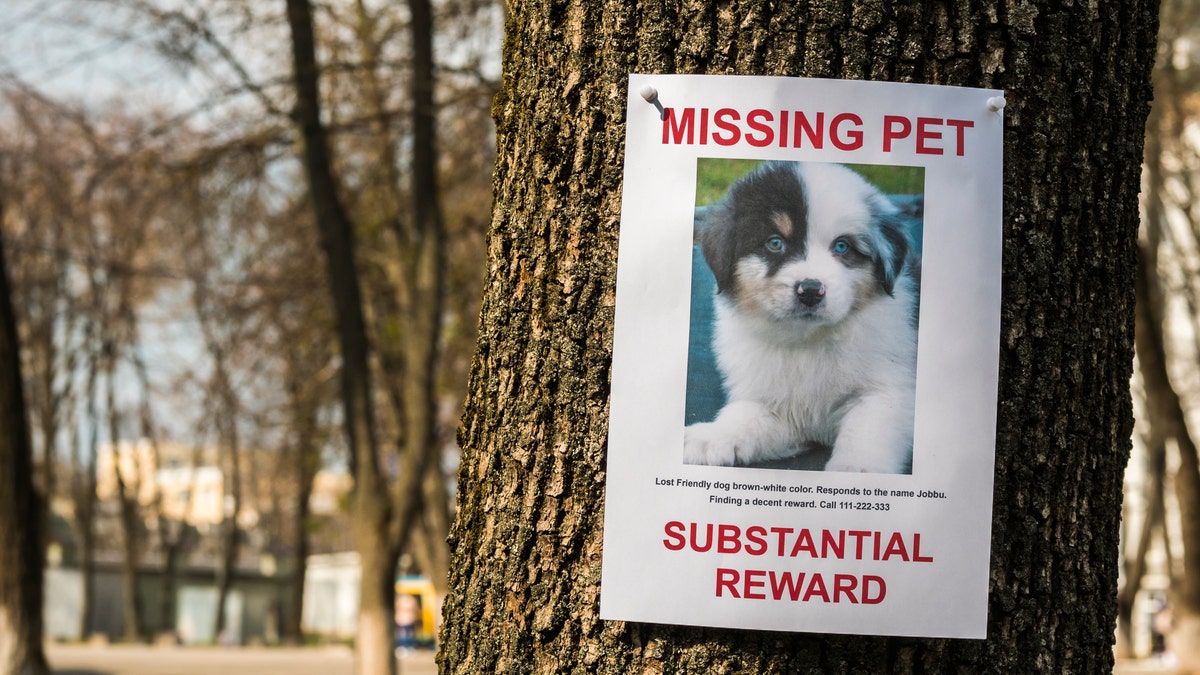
[[805, 295]]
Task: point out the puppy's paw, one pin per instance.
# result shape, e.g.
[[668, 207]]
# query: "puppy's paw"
[[852, 468], [709, 444], [851, 464]]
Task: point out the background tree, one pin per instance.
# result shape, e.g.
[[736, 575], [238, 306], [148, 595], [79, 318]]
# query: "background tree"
[[527, 543], [21, 556], [406, 308], [49, 316], [80, 237], [371, 506], [46, 311], [1168, 298]]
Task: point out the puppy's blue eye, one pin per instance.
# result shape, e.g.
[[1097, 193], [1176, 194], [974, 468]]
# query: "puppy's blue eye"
[[775, 244], [841, 246]]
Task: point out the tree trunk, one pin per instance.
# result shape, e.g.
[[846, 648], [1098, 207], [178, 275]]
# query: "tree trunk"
[[306, 458], [230, 541], [524, 582], [292, 628], [170, 531], [424, 252], [230, 458], [127, 505], [85, 526], [370, 501], [375, 639], [1166, 413], [1170, 193], [83, 490], [21, 556], [171, 544], [1135, 567], [1165, 418]]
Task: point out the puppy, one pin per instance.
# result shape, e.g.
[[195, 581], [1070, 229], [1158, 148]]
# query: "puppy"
[[815, 332]]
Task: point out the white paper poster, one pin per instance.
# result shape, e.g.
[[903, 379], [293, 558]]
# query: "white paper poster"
[[803, 408]]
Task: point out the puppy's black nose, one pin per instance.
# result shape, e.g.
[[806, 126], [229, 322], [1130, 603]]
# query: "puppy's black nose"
[[810, 292]]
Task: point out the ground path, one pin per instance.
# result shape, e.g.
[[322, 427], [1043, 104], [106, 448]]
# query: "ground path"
[[148, 660]]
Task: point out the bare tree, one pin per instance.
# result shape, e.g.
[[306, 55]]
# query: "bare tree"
[[384, 515], [83, 485], [49, 314], [127, 484], [21, 556], [371, 506], [64, 197], [303, 457], [1168, 303], [306, 351]]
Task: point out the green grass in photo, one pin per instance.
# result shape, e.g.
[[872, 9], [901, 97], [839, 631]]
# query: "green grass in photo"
[[715, 175], [893, 180]]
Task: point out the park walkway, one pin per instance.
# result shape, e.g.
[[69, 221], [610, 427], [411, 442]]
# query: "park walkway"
[[149, 660]]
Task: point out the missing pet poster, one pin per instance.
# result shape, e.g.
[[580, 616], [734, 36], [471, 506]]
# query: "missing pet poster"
[[803, 407]]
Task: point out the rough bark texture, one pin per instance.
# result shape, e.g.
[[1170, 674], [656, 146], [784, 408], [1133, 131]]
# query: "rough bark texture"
[[525, 575], [20, 512]]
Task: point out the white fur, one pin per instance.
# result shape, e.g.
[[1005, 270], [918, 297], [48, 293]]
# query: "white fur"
[[842, 376]]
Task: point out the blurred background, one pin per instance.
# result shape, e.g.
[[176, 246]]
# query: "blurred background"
[[179, 342]]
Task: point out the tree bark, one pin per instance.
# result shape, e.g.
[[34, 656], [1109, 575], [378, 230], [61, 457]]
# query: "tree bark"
[[21, 551], [524, 580]]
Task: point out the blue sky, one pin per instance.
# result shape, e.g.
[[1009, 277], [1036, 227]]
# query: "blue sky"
[[60, 47]]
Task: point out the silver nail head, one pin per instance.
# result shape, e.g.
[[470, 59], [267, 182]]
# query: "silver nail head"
[[649, 93], [996, 103]]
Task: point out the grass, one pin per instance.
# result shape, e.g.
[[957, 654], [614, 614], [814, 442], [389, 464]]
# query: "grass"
[[714, 176]]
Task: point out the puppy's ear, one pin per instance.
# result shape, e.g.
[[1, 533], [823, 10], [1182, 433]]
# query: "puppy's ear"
[[717, 243], [891, 243]]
